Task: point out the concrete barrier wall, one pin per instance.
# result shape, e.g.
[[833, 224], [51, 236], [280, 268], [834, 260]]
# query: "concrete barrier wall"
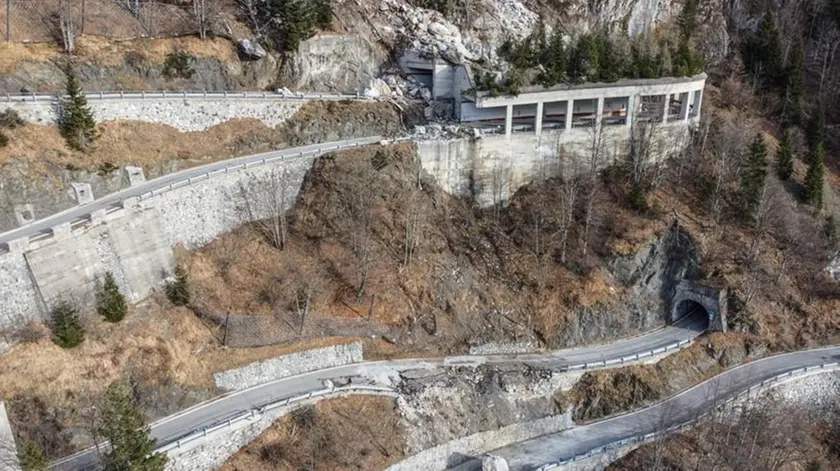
[[441, 456], [288, 365], [134, 243], [190, 114], [492, 168], [8, 451]]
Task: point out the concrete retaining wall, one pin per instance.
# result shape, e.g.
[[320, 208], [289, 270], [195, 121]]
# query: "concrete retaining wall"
[[212, 451], [288, 365], [135, 243], [492, 168], [8, 451], [441, 456], [192, 114]]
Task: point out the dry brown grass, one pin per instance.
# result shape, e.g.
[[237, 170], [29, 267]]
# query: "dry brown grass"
[[136, 143], [352, 433], [600, 394], [107, 52]]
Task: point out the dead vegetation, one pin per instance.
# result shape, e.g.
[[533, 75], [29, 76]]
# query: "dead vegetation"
[[599, 394], [159, 149], [167, 355], [764, 436], [353, 433]]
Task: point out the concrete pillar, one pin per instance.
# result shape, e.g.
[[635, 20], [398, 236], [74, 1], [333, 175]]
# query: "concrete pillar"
[[82, 192], [666, 106], [570, 111], [632, 106], [685, 106], [599, 114], [135, 175], [539, 118], [508, 120], [699, 105]]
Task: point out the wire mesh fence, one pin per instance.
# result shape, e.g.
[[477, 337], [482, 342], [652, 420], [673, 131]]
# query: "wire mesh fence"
[[47, 20]]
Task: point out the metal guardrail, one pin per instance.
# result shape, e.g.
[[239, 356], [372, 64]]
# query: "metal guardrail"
[[258, 411], [642, 439], [248, 415], [143, 95], [88, 218], [626, 359]]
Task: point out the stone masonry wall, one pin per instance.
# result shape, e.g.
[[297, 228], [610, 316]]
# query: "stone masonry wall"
[[492, 168], [192, 114], [439, 457], [19, 304], [8, 451], [288, 365]]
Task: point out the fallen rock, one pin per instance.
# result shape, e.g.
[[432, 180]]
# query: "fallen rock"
[[494, 463], [251, 49]]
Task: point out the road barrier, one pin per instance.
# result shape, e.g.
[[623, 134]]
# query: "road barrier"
[[626, 359], [282, 155], [642, 439], [141, 95], [251, 414]]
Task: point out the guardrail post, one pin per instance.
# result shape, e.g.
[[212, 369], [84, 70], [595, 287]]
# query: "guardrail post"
[[143, 94]]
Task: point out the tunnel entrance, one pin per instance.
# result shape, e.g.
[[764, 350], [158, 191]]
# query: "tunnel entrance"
[[692, 315]]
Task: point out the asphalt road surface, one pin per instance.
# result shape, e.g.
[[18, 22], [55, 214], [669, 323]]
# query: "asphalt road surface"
[[114, 199], [676, 410], [384, 373]]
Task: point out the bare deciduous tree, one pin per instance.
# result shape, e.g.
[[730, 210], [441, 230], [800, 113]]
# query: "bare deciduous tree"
[[268, 201], [591, 191], [360, 208], [60, 23], [204, 12]]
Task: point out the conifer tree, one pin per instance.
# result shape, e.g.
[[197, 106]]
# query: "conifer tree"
[[795, 85], [555, 61], [32, 456], [110, 303], [753, 175], [610, 58], [784, 157], [815, 178], [76, 118], [67, 329], [816, 128], [124, 426], [763, 52], [583, 63], [178, 290]]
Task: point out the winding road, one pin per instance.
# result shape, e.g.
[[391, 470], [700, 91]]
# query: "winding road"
[[385, 373], [676, 410], [116, 200]]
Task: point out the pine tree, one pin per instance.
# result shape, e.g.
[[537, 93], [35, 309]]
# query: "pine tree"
[[753, 175], [110, 303], [124, 426], [763, 52], [76, 119], [178, 290], [323, 13], [815, 178], [32, 456], [611, 60], [795, 85], [784, 158], [555, 61], [816, 128], [583, 63], [67, 329]]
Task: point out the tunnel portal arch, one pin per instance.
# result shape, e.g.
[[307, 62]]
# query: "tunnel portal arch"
[[689, 296]]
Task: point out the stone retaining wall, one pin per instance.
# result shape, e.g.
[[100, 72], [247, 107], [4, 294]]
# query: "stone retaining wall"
[[190, 114], [441, 456], [8, 451], [288, 365]]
